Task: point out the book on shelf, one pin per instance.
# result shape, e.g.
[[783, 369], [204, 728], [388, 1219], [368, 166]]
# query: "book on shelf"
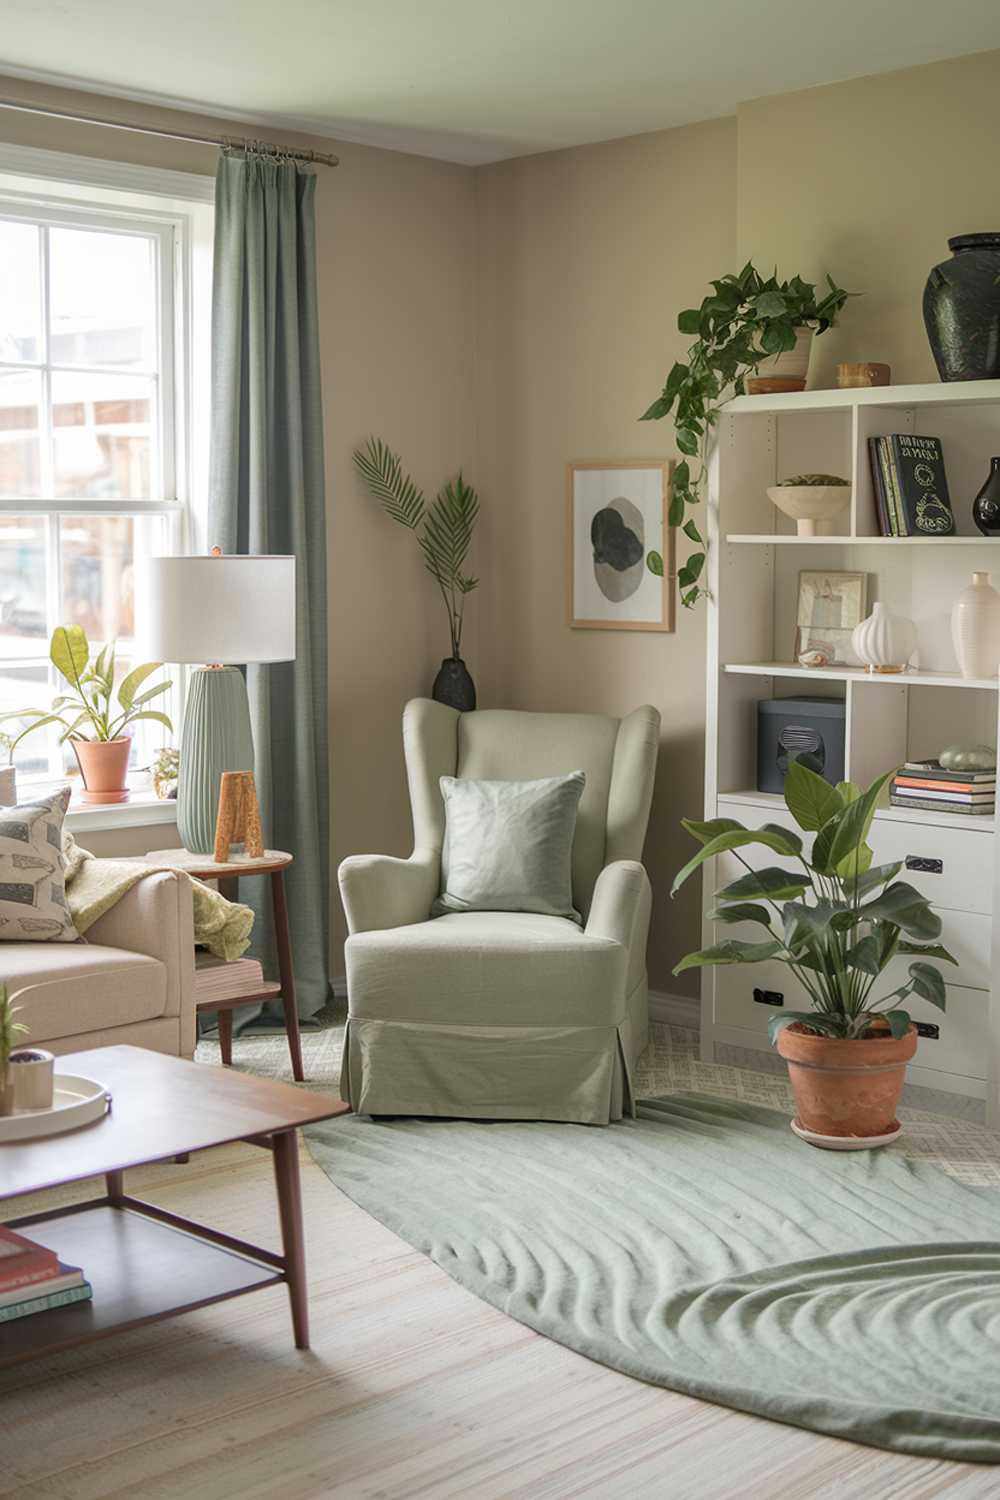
[[65, 1279], [931, 784], [929, 804], [934, 769], [910, 485], [944, 794], [45, 1302], [22, 1261]]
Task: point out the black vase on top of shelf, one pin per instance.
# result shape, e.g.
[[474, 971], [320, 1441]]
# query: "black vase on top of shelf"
[[986, 506], [962, 309]]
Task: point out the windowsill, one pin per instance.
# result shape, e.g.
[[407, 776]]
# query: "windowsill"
[[143, 809]]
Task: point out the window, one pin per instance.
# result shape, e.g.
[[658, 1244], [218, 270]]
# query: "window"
[[96, 348]]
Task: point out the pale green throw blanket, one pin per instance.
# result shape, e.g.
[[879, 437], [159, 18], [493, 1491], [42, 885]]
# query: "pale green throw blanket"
[[94, 886]]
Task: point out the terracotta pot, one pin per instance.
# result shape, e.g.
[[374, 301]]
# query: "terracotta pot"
[[846, 1088], [103, 766]]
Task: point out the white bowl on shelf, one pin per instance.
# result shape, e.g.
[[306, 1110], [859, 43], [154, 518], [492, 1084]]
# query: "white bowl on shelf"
[[807, 504]]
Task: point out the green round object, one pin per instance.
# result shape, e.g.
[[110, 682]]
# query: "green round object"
[[968, 758]]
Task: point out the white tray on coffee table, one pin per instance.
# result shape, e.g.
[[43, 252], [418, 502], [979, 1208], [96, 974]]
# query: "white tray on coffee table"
[[76, 1101]]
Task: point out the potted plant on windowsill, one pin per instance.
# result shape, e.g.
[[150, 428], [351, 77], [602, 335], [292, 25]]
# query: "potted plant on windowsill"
[[837, 922], [93, 715], [750, 326]]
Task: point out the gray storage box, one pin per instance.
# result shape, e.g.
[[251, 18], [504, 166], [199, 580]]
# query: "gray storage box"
[[807, 729]]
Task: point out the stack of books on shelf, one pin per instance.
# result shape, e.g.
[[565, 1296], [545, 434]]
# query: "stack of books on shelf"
[[33, 1279], [215, 979], [911, 487], [926, 784]]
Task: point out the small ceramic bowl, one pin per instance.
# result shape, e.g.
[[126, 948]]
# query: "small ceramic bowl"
[[808, 503]]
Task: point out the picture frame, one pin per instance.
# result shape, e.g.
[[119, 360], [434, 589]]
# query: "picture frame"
[[616, 519], [830, 604]]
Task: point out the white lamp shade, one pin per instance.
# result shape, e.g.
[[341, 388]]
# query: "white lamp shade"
[[227, 610]]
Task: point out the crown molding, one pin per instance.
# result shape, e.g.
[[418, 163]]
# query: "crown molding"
[[439, 145]]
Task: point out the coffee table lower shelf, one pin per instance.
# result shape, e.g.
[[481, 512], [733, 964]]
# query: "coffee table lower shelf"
[[143, 1265]]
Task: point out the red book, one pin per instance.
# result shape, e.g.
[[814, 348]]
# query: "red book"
[[22, 1261]]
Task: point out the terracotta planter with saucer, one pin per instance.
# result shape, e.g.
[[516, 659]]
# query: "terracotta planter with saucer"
[[104, 768], [846, 1090]]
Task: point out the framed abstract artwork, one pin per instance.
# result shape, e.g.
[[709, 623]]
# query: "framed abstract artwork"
[[620, 550]]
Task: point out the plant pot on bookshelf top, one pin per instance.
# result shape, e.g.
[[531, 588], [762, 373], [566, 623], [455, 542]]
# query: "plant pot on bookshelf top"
[[786, 371]]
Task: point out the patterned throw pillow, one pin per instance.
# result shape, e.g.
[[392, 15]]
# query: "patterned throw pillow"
[[32, 873]]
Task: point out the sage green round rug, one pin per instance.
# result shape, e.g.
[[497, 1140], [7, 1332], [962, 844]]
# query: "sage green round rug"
[[703, 1248]]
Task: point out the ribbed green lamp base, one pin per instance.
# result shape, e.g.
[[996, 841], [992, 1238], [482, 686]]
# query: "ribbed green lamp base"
[[216, 737]]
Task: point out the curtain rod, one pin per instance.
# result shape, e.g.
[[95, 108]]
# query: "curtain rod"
[[225, 142]]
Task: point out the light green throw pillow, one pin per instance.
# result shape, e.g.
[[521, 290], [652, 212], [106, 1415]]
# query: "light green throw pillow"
[[508, 845]]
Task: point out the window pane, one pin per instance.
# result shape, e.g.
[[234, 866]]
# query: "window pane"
[[20, 292], [103, 436], [97, 569], [102, 299], [27, 687], [22, 586], [20, 453]]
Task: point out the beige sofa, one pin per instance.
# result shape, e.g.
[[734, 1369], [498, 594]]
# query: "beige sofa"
[[131, 980]]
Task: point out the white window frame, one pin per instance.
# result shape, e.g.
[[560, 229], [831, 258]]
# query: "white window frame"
[[55, 189]]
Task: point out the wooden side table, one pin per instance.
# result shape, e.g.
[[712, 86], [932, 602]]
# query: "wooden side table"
[[273, 863]]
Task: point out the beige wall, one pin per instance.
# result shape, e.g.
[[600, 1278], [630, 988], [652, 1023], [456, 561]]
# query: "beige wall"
[[867, 180], [586, 256], [397, 268]]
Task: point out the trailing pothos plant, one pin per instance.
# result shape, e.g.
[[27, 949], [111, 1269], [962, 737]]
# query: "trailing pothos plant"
[[94, 708], [834, 918], [745, 320]]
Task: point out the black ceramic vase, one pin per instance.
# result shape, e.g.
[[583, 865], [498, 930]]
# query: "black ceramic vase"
[[454, 686], [962, 309], [986, 506]]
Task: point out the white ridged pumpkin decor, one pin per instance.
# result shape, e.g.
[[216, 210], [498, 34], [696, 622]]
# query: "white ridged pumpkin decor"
[[884, 642], [975, 628]]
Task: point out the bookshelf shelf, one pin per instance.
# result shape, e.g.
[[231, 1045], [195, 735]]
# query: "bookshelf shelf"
[[755, 558], [912, 678]]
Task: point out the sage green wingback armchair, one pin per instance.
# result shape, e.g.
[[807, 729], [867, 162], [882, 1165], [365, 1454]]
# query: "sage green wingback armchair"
[[505, 1015]]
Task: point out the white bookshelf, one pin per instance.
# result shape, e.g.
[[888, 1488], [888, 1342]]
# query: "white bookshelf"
[[755, 559]]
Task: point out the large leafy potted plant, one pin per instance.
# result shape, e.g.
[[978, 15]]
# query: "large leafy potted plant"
[[444, 531], [746, 322], [95, 714], [836, 921]]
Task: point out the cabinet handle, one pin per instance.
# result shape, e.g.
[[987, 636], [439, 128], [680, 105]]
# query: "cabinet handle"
[[768, 997], [926, 866]]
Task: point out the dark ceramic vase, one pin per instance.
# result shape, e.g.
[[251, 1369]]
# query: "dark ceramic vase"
[[986, 506], [962, 309], [454, 686]]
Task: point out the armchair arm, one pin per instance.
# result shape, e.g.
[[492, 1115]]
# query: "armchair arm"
[[620, 911], [379, 891], [155, 917]]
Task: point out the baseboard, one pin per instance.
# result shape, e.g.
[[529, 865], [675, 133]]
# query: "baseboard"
[[675, 1010]]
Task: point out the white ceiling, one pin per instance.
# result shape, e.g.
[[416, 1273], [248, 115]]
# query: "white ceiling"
[[478, 80]]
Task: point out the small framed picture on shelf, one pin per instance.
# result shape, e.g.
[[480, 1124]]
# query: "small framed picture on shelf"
[[830, 606]]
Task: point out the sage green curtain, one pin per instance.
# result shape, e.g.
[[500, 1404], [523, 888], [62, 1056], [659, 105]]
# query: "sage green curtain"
[[266, 495]]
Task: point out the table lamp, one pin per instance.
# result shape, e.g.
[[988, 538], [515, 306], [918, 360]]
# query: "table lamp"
[[226, 612]]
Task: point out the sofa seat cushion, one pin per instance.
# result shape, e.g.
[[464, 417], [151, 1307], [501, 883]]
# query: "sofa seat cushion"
[[487, 968], [66, 989]]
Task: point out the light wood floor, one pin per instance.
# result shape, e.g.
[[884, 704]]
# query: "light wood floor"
[[413, 1388]]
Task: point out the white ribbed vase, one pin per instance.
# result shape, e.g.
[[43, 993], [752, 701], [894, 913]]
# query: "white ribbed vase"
[[975, 628], [884, 642]]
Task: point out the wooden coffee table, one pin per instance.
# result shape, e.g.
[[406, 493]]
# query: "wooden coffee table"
[[143, 1262]]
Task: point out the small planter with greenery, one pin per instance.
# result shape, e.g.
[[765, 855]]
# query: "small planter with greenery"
[[835, 921], [10, 1029], [95, 714], [746, 320]]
